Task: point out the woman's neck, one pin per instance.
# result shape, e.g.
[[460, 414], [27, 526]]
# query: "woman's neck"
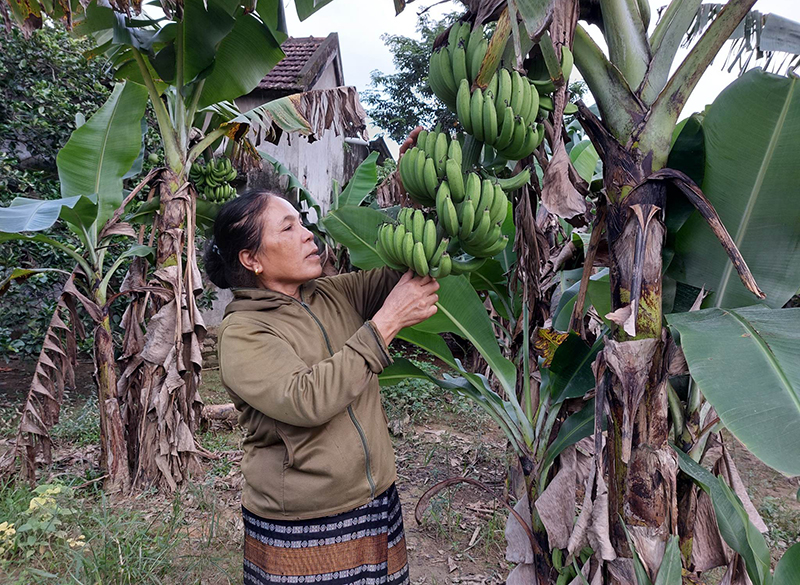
[[288, 289]]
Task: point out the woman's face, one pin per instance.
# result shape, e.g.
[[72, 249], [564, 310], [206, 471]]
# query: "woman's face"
[[288, 256]]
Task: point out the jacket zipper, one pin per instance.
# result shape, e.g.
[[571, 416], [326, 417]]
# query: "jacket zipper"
[[352, 414]]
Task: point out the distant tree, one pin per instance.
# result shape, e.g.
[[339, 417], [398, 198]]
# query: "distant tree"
[[400, 101]]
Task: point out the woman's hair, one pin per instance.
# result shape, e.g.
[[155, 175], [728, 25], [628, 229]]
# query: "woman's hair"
[[239, 226]]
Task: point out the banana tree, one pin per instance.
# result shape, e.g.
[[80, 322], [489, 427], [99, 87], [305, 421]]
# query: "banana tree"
[[190, 64], [94, 160]]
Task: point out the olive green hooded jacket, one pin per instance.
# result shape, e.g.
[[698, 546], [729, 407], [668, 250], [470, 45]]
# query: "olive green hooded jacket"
[[304, 375]]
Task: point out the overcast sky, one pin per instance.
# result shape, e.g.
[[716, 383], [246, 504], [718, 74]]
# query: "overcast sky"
[[360, 24]]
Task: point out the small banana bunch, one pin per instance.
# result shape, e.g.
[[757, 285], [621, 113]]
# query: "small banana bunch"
[[414, 243], [540, 79], [503, 116], [476, 220], [425, 165], [459, 60], [213, 179]]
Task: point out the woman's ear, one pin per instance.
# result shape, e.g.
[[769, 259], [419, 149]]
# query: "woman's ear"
[[249, 261]]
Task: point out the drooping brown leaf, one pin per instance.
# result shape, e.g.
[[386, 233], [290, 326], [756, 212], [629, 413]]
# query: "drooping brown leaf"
[[556, 506], [559, 194], [518, 547], [54, 371], [523, 574]]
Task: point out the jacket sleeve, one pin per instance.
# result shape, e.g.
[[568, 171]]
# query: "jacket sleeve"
[[367, 289], [265, 371]]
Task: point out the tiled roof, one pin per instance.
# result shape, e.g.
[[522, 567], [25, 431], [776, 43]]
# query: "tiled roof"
[[285, 75]]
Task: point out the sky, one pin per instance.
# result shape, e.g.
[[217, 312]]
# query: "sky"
[[360, 24]]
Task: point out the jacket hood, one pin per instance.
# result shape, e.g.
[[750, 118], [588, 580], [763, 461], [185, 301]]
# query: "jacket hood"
[[264, 299]]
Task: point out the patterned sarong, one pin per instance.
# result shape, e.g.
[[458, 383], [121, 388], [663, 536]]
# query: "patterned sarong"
[[365, 546]]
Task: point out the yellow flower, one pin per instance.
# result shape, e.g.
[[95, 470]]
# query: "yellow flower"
[[77, 542]]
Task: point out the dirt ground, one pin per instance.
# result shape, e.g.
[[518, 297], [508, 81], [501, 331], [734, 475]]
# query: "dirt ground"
[[460, 539]]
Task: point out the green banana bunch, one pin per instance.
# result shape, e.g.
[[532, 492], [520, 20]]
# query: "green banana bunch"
[[415, 243], [460, 59], [480, 224], [423, 167], [213, 179], [503, 116]]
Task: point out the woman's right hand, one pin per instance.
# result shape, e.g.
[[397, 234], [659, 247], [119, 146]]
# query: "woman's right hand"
[[412, 300]]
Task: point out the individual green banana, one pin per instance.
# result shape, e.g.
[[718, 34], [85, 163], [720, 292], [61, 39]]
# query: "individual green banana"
[[454, 152], [570, 108], [476, 114], [506, 129], [466, 219], [405, 172], [557, 557], [477, 59], [408, 249], [472, 189], [567, 62], [533, 106], [232, 174], [446, 71], [455, 179], [473, 42], [399, 240], [516, 182], [439, 252], [440, 154], [419, 172], [517, 141], [527, 98], [441, 195], [517, 92], [540, 132], [430, 178], [546, 103], [489, 119], [460, 63], [481, 228], [463, 106], [487, 196], [499, 208], [430, 144], [442, 269], [419, 262], [463, 34], [450, 217], [503, 98], [429, 241], [463, 265], [452, 36], [417, 225], [496, 248], [492, 86], [386, 236]]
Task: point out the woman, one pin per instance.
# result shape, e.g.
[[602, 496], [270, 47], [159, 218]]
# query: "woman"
[[300, 356]]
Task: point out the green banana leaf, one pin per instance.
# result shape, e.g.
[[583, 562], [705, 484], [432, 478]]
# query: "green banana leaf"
[[100, 152], [357, 229], [205, 25], [491, 277], [462, 312], [306, 8], [752, 137], [734, 523], [362, 182], [598, 295], [35, 215], [243, 58], [571, 373], [576, 427], [669, 573], [584, 158], [745, 362], [788, 570]]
